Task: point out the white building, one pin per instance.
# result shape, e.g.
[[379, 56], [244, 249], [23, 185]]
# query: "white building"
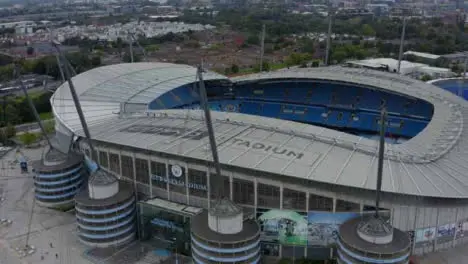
[[406, 67], [17, 24]]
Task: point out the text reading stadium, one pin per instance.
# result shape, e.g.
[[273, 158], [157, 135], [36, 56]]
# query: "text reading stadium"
[[297, 150]]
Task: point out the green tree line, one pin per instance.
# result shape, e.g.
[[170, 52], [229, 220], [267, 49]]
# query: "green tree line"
[[48, 65], [425, 35], [15, 110]]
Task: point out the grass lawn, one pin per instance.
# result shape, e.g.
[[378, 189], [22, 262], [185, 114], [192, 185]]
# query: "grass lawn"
[[46, 116]]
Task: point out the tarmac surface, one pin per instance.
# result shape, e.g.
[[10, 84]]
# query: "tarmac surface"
[[456, 255], [52, 233]]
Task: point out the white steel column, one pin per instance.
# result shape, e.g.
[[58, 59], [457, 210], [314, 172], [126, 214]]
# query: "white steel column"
[[134, 172], [434, 245], [307, 212], [187, 191], [150, 179], [281, 196], [167, 182], [255, 197], [414, 229], [98, 159], [457, 219], [231, 195], [334, 211], [208, 185], [120, 164], [108, 160], [334, 204]]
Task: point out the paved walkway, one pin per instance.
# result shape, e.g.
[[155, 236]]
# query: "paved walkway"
[[48, 226], [457, 255]]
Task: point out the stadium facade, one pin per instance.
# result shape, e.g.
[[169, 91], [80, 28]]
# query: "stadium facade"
[[295, 146]]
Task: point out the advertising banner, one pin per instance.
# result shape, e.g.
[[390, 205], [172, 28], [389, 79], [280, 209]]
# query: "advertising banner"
[[447, 230], [462, 229], [446, 233], [283, 227], [323, 227], [425, 234]]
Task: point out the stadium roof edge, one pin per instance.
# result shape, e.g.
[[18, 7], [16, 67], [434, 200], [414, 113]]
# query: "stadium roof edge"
[[430, 164]]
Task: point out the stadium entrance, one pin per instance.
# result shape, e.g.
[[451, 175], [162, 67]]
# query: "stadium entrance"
[[166, 224]]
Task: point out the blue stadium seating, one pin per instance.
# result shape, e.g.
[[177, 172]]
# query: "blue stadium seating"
[[175, 98], [454, 86], [329, 104]]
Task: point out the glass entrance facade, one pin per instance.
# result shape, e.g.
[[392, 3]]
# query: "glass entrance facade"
[[166, 224]]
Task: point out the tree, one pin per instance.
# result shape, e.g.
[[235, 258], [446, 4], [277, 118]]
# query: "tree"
[[7, 132], [128, 58], [119, 46], [234, 68], [456, 69], [28, 138], [367, 30], [253, 40], [426, 78], [49, 126], [298, 59], [308, 46], [30, 51], [192, 44], [10, 130], [339, 55], [265, 66], [96, 61], [12, 114]]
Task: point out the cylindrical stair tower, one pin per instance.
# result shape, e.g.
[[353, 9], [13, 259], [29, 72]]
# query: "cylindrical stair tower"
[[58, 177], [105, 212], [372, 240], [225, 237]]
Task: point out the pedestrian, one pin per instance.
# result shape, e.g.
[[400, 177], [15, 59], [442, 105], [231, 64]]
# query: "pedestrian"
[[42, 257], [56, 255], [51, 246]]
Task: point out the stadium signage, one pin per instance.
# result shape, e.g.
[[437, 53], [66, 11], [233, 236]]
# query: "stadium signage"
[[267, 148], [178, 182], [167, 224], [196, 134]]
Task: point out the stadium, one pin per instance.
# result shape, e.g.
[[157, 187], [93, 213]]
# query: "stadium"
[[454, 85], [294, 145]]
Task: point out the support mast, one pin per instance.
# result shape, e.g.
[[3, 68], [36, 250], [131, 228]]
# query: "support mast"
[[76, 101], [402, 42], [330, 21], [262, 48], [383, 116], [209, 125]]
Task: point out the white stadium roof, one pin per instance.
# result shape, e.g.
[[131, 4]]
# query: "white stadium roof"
[[433, 163]]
